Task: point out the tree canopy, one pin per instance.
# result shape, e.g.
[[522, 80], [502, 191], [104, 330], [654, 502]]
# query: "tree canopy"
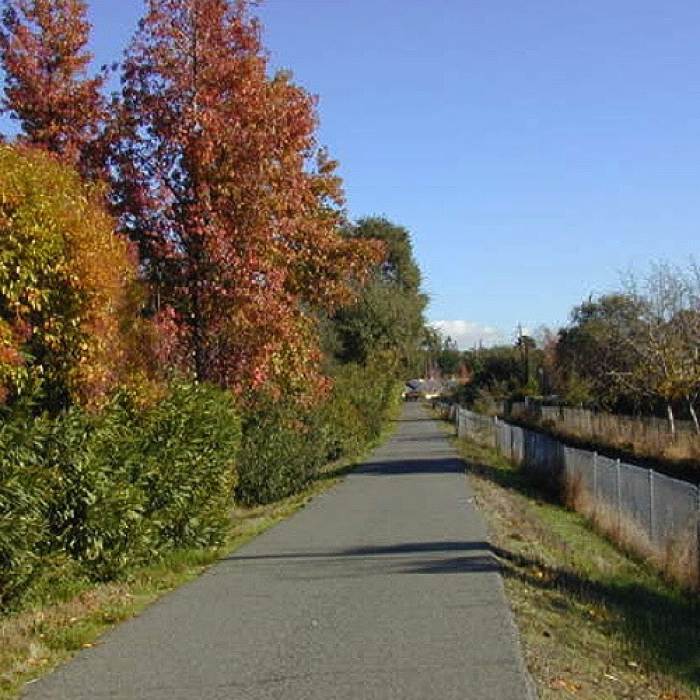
[[388, 316], [235, 209], [47, 87]]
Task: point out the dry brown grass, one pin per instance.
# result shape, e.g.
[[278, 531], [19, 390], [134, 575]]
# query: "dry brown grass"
[[30, 639], [644, 437], [679, 561]]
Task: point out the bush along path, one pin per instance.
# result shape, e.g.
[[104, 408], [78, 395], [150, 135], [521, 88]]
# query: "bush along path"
[[69, 612], [384, 587], [178, 454]]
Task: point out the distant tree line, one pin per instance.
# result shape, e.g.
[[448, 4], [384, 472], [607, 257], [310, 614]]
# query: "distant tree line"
[[635, 350]]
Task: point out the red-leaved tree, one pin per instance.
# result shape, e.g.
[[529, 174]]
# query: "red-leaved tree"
[[235, 209], [47, 89]]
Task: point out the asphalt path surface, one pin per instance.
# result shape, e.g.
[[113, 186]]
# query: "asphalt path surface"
[[383, 587]]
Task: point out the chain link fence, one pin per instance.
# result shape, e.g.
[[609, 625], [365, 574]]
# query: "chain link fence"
[[649, 434], [646, 510]]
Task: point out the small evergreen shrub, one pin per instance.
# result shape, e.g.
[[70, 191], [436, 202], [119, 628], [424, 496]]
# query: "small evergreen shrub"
[[24, 494], [114, 489], [358, 408], [280, 452], [189, 448], [96, 512], [284, 445]]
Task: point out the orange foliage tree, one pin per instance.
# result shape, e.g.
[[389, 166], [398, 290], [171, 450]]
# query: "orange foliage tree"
[[47, 89], [234, 207], [68, 291]]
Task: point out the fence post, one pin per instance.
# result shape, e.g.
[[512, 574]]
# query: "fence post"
[[619, 495], [652, 515]]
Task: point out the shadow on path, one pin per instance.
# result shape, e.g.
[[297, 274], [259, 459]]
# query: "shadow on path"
[[396, 549], [404, 558], [397, 467]]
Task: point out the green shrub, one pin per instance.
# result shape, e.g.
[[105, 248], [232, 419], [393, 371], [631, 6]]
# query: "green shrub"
[[115, 489], [284, 446], [280, 453], [24, 492], [345, 423], [189, 447], [135, 483], [358, 408], [97, 509]]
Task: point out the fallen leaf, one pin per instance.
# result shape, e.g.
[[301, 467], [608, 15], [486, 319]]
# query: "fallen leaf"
[[563, 684]]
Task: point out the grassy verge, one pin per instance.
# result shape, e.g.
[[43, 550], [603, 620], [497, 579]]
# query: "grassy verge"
[[74, 613], [595, 623]]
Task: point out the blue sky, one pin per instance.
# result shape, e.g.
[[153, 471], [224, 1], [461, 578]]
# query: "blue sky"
[[535, 150]]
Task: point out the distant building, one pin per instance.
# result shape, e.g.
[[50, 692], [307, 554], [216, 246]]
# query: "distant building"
[[423, 388]]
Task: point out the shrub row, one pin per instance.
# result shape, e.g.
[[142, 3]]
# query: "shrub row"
[[284, 447], [103, 492], [112, 490]]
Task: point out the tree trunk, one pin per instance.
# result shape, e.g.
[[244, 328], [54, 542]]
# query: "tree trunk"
[[197, 312], [198, 336], [694, 416], [671, 420]]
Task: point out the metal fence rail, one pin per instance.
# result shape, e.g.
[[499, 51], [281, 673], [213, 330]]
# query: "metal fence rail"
[[663, 513], [649, 434]]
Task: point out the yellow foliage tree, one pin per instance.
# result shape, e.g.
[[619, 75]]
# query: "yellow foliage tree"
[[69, 293]]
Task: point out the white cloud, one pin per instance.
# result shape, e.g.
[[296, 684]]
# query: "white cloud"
[[467, 334]]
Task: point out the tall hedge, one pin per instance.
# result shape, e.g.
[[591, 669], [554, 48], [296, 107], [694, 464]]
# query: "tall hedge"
[[25, 489], [280, 452], [114, 489], [284, 446]]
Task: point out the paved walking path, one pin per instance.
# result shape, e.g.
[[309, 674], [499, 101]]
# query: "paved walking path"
[[382, 588]]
